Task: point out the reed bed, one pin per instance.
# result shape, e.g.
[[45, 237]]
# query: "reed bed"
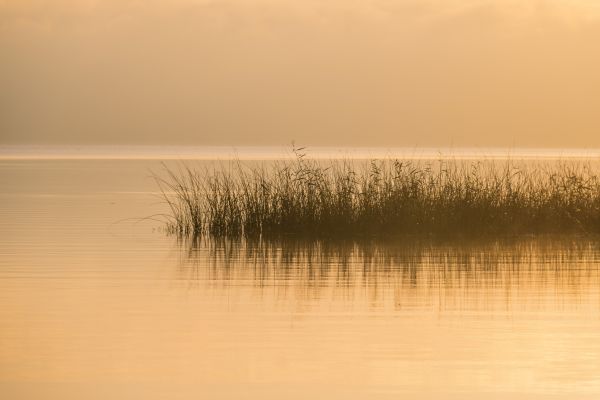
[[341, 198]]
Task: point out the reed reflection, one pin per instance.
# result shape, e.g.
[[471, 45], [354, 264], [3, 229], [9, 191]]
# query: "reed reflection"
[[526, 272]]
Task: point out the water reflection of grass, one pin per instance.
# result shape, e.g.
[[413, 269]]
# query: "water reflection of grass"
[[422, 269], [380, 198]]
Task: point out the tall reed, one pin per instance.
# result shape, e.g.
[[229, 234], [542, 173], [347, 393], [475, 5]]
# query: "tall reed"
[[390, 197]]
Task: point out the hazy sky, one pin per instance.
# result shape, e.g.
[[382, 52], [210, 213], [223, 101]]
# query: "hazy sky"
[[320, 72]]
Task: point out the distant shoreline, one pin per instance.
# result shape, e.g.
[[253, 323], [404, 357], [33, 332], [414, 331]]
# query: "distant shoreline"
[[142, 152]]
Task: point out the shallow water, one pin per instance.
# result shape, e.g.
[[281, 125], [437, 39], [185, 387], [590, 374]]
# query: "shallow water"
[[98, 303]]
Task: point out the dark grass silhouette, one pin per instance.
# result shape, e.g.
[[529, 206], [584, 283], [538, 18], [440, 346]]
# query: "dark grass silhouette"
[[341, 198]]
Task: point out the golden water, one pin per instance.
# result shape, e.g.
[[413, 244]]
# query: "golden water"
[[97, 304]]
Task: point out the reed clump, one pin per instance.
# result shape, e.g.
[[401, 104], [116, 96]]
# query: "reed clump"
[[306, 197]]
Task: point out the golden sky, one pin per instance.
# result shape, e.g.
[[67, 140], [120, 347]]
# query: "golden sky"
[[236, 72]]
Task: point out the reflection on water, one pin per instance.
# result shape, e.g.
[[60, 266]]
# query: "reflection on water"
[[95, 305], [403, 273]]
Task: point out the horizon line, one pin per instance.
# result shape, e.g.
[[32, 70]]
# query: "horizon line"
[[274, 152]]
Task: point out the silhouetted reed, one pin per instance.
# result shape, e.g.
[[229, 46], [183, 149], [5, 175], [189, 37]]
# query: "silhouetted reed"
[[305, 197]]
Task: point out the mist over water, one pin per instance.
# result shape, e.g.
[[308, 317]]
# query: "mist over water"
[[479, 113], [261, 72], [264, 153]]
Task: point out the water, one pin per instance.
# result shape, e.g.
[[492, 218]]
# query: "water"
[[97, 303]]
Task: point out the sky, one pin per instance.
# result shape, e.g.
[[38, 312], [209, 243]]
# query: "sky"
[[415, 73]]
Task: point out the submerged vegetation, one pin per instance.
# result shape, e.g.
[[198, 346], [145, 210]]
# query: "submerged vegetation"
[[307, 197]]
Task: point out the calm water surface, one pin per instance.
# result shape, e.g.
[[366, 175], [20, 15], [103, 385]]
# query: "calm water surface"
[[97, 303]]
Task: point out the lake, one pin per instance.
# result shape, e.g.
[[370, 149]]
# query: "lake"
[[97, 301]]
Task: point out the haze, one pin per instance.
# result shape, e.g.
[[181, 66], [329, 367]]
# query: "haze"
[[262, 72]]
